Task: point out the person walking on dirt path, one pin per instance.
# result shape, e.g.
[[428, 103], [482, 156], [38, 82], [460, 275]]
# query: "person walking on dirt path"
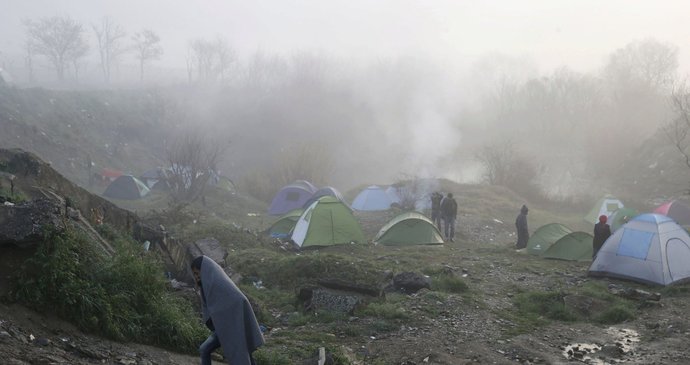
[[522, 230], [436, 198], [602, 231], [227, 313], [449, 211]]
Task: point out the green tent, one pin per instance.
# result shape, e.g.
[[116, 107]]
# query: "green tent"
[[284, 225], [410, 228], [620, 217], [545, 236], [327, 222], [575, 246], [605, 206]]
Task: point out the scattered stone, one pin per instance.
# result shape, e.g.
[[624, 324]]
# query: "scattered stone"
[[634, 294], [42, 341]]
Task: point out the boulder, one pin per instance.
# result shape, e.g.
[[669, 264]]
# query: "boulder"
[[410, 282], [23, 225]]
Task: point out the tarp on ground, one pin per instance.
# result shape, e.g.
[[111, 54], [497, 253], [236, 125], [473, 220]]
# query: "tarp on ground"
[[545, 236], [410, 228], [575, 246], [650, 249], [327, 222]]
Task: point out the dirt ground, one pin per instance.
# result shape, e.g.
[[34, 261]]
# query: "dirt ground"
[[450, 329]]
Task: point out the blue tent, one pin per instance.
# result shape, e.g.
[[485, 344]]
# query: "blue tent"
[[291, 197], [371, 199], [651, 249], [325, 191]]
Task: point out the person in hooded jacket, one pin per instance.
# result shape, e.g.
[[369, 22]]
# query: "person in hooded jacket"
[[227, 313], [602, 231], [522, 230], [449, 212]]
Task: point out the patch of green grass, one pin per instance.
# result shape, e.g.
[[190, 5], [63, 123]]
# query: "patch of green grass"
[[123, 297], [265, 356], [289, 271], [615, 314], [301, 319], [382, 326], [384, 310], [449, 284], [678, 290], [547, 304]]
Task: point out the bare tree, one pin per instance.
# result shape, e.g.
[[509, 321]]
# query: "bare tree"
[[193, 162], [212, 58], [678, 129], [505, 166], [146, 48], [60, 39], [109, 36], [650, 62], [29, 61], [306, 161]]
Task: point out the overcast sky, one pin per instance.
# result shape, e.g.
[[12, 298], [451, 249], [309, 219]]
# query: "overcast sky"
[[553, 33]]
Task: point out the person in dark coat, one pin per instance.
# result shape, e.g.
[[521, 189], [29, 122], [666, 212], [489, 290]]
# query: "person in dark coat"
[[436, 198], [227, 313], [602, 231], [449, 211], [522, 230]]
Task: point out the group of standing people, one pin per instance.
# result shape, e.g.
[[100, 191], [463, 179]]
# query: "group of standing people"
[[444, 213], [602, 231]]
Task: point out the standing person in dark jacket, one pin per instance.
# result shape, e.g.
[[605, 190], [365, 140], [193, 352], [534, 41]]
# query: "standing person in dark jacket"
[[522, 230], [436, 198], [602, 231], [227, 313], [449, 211]]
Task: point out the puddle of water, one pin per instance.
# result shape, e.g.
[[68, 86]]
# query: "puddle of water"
[[624, 339]]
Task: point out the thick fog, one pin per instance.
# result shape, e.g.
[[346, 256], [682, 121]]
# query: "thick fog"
[[359, 92]]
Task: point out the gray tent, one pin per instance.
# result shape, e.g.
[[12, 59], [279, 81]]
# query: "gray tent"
[[126, 187], [651, 249]]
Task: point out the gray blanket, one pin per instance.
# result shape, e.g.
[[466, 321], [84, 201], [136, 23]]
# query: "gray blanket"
[[231, 313]]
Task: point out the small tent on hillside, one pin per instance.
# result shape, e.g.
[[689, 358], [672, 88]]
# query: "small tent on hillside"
[[410, 228], [327, 222], [325, 191], [575, 246], [676, 210], [126, 187], [545, 236], [651, 249], [284, 225], [372, 198], [605, 206], [291, 197], [620, 217], [107, 176]]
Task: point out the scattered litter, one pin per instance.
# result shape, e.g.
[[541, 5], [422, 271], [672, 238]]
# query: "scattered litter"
[[8, 204], [498, 221], [253, 215]]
